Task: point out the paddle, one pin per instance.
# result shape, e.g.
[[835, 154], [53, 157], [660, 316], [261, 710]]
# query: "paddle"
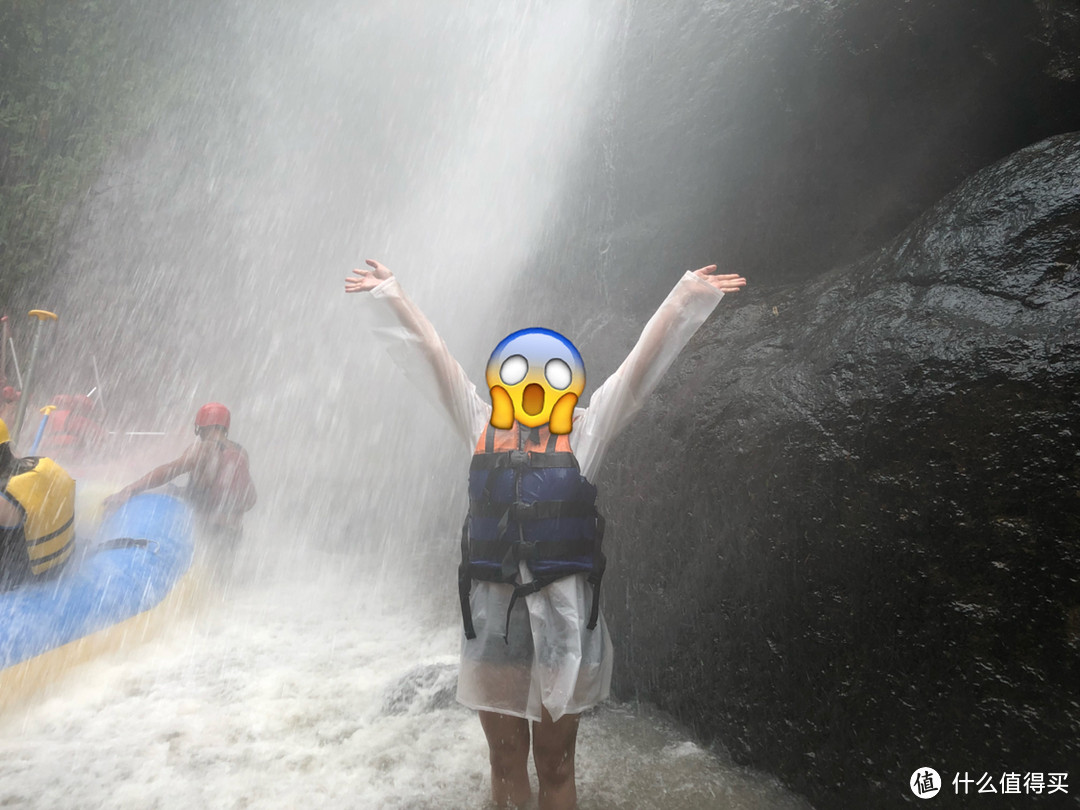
[[41, 315], [48, 409]]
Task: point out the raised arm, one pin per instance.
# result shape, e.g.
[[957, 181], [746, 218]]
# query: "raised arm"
[[622, 395], [671, 327], [416, 347]]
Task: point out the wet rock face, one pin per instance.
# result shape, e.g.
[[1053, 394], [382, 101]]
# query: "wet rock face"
[[845, 535], [423, 689], [785, 139]]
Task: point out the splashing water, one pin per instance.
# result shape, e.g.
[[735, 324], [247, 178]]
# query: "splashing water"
[[312, 136], [319, 694]]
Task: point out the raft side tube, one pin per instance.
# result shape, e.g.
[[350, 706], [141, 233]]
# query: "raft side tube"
[[142, 551]]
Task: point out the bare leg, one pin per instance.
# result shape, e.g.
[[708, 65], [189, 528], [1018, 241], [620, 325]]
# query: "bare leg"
[[554, 744], [508, 746]]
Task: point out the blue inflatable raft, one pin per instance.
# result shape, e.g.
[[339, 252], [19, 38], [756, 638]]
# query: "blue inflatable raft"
[[136, 566]]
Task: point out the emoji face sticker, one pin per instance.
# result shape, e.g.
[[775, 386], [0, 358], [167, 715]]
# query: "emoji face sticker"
[[535, 377]]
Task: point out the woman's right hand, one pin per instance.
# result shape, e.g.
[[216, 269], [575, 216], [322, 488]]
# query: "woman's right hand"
[[365, 280]]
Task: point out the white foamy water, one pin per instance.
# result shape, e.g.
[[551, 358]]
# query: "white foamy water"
[[317, 692]]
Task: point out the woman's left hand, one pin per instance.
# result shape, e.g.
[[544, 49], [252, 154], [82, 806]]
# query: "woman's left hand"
[[724, 282]]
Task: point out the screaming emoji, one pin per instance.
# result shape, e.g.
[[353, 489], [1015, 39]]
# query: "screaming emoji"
[[535, 377]]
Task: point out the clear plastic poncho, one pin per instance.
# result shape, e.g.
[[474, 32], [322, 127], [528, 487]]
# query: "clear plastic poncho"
[[548, 659]]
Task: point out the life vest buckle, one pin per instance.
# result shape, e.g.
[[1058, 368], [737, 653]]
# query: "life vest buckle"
[[523, 511], [519, 458]]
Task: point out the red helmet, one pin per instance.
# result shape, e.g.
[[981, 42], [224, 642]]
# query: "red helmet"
[[212, 414]]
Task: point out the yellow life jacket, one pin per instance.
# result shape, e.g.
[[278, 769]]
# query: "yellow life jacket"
[[46, 494]]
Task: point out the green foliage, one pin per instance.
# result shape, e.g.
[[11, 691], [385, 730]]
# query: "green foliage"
[[71, 77]]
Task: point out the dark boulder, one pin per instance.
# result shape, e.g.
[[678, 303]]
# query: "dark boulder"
[[845, 536]]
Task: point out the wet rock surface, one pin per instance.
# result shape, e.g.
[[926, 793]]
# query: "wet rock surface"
[[422, 689], [844, 537], [785, 139]]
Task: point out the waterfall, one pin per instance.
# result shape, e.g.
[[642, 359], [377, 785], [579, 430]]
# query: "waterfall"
[[208, 265]]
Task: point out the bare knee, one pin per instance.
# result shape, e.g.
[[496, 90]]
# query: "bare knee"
[[508, 756], [554, 766], [554, 747], [508, 744]]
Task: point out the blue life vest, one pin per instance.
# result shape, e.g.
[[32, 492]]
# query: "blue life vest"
[[528, 502]]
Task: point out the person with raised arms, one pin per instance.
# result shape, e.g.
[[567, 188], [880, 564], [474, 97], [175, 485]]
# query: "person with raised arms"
[[536, 651]]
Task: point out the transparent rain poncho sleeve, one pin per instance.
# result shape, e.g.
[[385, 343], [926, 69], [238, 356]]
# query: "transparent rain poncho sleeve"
[[548, 659]]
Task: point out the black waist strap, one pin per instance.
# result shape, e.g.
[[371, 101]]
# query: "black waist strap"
[[552, 551], [523, 458], [543, 510]]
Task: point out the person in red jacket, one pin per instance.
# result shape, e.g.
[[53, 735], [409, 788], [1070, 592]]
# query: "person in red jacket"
[[219, 489], [71, 433]]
